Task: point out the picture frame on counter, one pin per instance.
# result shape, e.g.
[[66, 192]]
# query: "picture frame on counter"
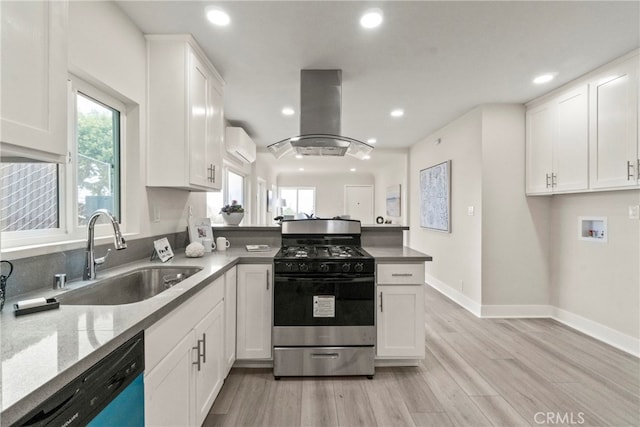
[[435, 197], [200, 229]]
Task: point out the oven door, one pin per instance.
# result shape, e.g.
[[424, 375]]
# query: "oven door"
[[323, 301]]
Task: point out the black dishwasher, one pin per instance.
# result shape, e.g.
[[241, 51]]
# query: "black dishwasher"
[[110, 393]]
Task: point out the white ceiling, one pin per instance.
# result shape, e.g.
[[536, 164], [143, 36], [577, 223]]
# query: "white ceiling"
[[436, 60]]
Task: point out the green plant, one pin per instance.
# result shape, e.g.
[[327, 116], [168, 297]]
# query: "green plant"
[[232, 208]]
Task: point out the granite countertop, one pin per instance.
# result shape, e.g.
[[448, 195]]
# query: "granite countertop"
[[41, 352]]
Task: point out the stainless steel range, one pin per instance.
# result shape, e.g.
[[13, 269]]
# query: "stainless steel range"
[[323, 301]]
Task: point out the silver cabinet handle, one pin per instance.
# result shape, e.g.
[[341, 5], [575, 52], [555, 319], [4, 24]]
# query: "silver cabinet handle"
[[197, 348], [547, 177], [401, 274], [630, 174], [381, 309], [554, 180], [202, 354], [204, 348]]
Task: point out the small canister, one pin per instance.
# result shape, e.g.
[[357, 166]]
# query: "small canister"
[[59, 281]]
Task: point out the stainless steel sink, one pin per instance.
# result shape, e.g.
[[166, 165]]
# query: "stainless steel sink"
[[134, 286]]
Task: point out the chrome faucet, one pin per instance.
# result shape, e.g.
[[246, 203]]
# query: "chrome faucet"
[[90, 260]]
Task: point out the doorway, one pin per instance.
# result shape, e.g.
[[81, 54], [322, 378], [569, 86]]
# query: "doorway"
[[358, 202]]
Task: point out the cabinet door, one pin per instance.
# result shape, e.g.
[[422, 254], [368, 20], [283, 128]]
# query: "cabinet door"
[[216, 130], [539, 143], [168, 391], [230, 299], [614, 127], [198, 88], [34, 75], [400, 321], [571, 142], [255, 299], [208, 380]]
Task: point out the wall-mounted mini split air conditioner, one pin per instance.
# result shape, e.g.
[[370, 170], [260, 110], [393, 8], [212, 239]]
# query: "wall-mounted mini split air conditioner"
[[240, 145]]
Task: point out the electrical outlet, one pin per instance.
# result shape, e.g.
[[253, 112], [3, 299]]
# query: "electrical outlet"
[[470, 210], [156, 214], [634, 212]]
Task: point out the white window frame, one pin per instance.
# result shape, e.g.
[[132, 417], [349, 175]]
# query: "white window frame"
[[78, 231], [36, 241]]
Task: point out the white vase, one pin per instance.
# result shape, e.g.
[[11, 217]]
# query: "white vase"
[[232, 218]]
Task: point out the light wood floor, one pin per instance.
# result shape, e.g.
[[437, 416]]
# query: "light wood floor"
[[477, 372]]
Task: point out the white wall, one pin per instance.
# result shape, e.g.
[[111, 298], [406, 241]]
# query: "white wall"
[[392, 171], [329, 188], [456, 255], [598, 281], [109, 51], [515, 229]]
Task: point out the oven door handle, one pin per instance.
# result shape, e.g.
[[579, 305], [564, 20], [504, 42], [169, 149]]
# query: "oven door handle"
[[324, 355], [359, 279]]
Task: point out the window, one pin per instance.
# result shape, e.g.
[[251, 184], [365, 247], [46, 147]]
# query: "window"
[[29, 196], [49, 202], [233, 189], [98, 158], [298, 200]]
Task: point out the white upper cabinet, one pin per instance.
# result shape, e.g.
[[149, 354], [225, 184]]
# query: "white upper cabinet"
[[34, 79], [571, 142], [186, 119], [585, 136], [558, 145], [614, 126], [539, 122]]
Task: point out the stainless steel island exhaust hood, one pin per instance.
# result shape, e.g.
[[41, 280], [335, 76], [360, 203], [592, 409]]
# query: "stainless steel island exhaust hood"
[[320, 120]]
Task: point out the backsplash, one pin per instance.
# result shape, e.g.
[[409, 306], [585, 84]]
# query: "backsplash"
[[33, 273]]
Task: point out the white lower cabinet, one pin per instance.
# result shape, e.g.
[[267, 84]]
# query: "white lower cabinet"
[[184, 360], [255, 299], [230, 300], [400, 311]]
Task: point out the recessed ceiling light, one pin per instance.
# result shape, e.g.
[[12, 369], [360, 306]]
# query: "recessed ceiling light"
[[371, 19], [372, 141], [366, 157], [301, 169], [298, 156], [544, 78], [397, 113], [218, 16], [352, 169], [288, 111]]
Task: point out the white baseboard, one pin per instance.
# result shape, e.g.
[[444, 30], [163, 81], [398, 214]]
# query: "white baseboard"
[[589, 327], [598, 331], [514, 311], [454, 294]]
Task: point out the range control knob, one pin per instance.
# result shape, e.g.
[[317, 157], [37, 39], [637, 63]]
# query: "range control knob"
[[304, 267], [346, 267], [289, 266], [359, 267], [324, 268]]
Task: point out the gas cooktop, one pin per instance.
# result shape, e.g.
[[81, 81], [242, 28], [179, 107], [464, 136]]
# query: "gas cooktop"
[[322, 251]]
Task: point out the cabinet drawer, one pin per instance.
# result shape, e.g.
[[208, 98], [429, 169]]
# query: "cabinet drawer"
[[401, 274]]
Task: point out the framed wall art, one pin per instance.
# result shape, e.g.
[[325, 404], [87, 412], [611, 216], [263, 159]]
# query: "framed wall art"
[[393, 200], [435, 197]]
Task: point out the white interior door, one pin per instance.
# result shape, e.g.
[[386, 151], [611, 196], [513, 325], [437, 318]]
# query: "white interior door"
[[358, 202]]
